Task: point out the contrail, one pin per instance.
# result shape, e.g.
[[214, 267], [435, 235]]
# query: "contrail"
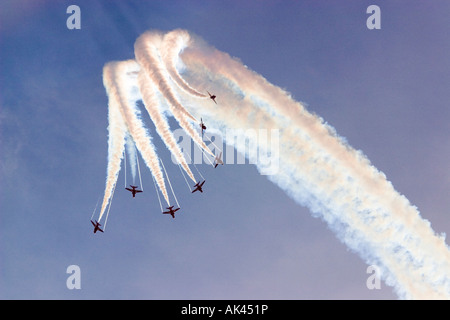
[[146, 50], [117, 132], [317, 167], [122, 119], [151, 104], [173, 44], [321, 171], [134, 124], [132, 156], [147, 55]]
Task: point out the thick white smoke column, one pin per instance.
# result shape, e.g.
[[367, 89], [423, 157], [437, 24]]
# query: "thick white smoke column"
[[123, 120], [151, 104], [127, 82], [173, 44], [117, 132], [134, 124], [321, 171], [132, 156], [148, 56], [316, 167]]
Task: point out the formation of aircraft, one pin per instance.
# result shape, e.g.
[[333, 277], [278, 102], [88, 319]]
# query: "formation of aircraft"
[[133, 190], [198, 186], [212, 97], [171, 211], [96, 225]]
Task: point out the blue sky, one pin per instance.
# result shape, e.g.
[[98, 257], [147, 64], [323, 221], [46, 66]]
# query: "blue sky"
[[385, 91]]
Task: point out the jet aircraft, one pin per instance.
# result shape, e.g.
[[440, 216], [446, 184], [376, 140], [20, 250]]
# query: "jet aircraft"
[[171, 211], [198, 186], [133, 190], [212, 97], [202, 126], [96, 225], [218, 160]]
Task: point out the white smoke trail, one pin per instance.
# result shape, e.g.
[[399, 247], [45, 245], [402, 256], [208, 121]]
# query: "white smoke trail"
[[173, 44], [319, 170], [117, 132], [132, 156], [146, 49], [134, 124], [151, 104]]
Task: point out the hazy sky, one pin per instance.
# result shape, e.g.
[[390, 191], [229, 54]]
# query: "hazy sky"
[[385, 91]]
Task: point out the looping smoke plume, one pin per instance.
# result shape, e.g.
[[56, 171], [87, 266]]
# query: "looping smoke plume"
[[318, 169]]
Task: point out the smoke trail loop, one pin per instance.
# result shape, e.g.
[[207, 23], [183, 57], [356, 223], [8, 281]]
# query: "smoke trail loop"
[[315, 166]]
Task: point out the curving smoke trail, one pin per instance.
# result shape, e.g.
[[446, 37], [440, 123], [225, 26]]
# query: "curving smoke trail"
[[123, 119], [317, 168], [151, 104], [135, 125], [117, 133], [173, 44], [321, 171], [146, 49]]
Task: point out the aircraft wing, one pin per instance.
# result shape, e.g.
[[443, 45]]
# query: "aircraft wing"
[[129, 189], [138, 190]]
